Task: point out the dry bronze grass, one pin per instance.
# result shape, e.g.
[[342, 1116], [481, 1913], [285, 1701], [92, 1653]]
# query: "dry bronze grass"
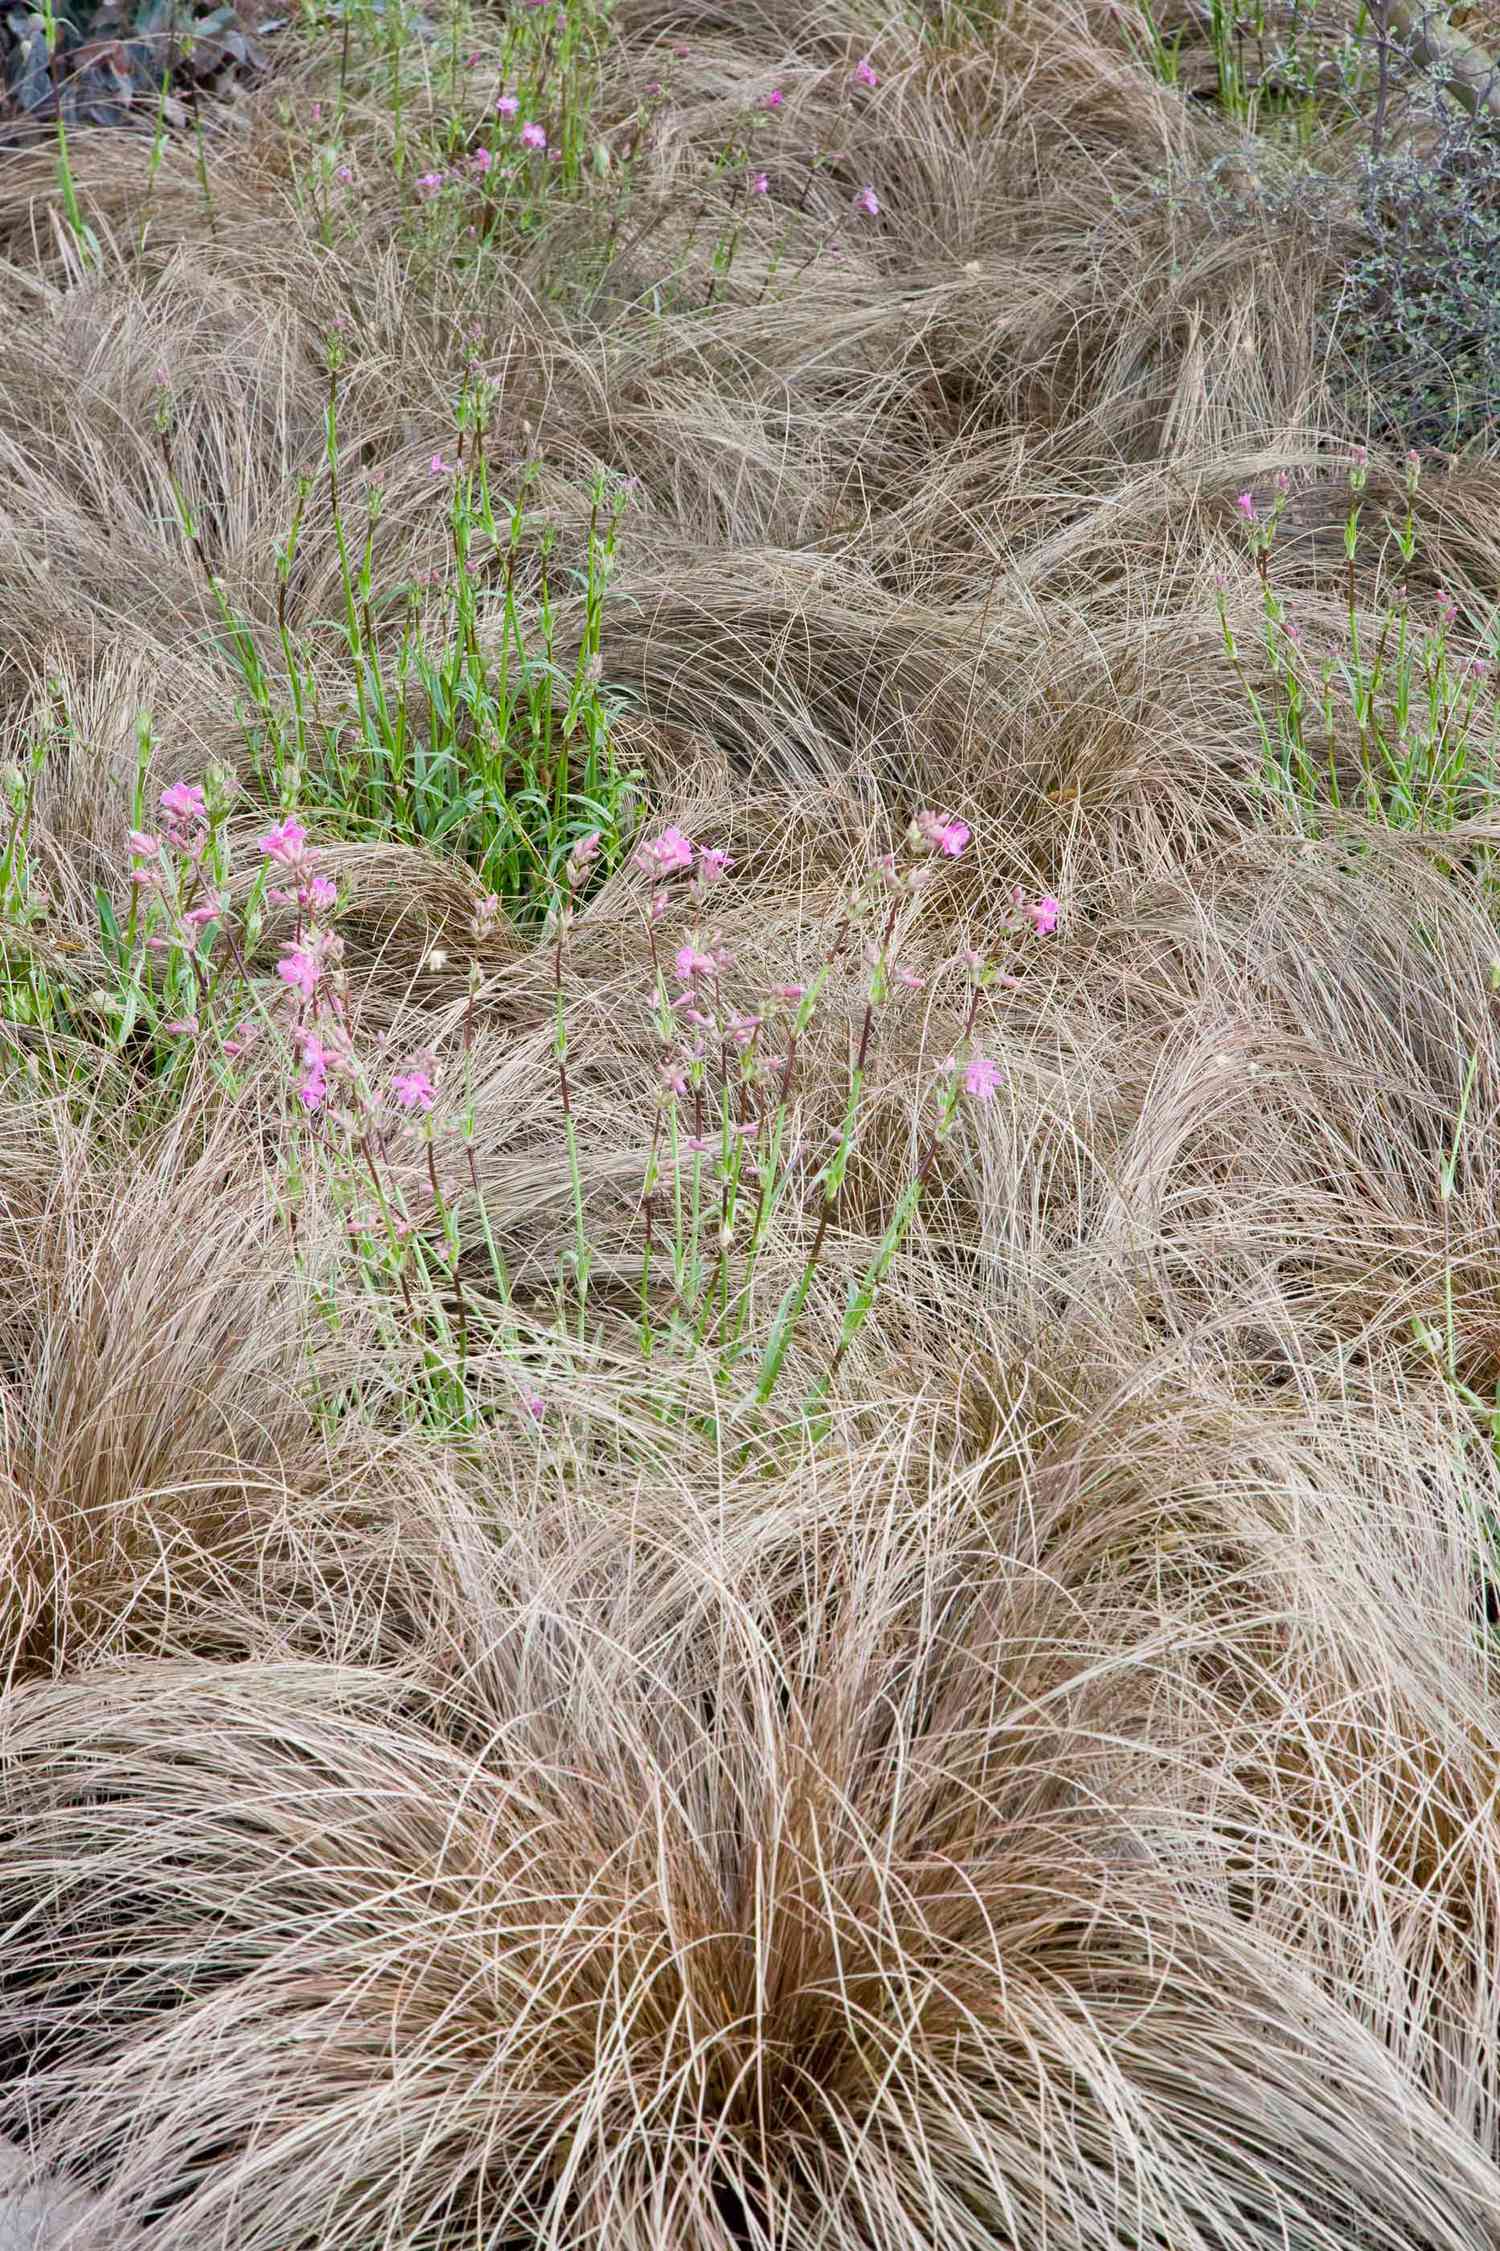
[[1056, 1809]]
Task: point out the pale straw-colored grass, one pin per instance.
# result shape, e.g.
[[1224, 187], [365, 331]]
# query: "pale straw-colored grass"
[[1058, 1809]]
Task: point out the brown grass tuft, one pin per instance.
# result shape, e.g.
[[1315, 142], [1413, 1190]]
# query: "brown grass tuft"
[[1059, 1808]]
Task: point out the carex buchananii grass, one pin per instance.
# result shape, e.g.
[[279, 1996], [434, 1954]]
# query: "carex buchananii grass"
[[750, 1066]]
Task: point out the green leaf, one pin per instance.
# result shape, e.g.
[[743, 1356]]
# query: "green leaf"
[[109, 927]]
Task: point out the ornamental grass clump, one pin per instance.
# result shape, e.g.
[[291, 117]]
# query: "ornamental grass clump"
[[748, 1257]]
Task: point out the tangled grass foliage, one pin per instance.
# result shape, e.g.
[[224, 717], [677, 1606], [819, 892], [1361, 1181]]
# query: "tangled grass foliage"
[[749, 1373]]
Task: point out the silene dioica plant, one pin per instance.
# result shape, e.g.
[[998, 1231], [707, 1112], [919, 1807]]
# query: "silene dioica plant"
[[1400, 727], [1399, 723], [441, 712], [391, 1141]]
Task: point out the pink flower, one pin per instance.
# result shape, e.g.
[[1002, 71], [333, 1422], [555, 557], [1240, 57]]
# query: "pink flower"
[[508, 105], [583, 855], [760, 185], [1447, 608], [299, 968], [438, 467], [689, 963], [868, 202], [700, 1144], [344, 174], [742, 1029], [482, 160], [181, 1027], [318, 1062], [791, 994], [712, 864], [183, 802], [774, 99], [910, 979], [414, 1090], [430, 182], [534, 1405], [1245, 502], [666, 854], [284, 843], [1044, 916], [318, 895], [141, 844], [981, 1077], [941, 833], [864, 72], [534, 137]]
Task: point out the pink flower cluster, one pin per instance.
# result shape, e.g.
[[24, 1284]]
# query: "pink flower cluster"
[[699, 1024], [311, 970], [697, 1018], [184, 812], [322, 1055], [286, 846], [414, 1090], [583, 856], [310, 963], [940, 832], [671, 853], [172, 870]]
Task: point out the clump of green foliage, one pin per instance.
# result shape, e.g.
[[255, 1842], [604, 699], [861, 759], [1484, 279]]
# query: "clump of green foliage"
[[1421, 304]]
